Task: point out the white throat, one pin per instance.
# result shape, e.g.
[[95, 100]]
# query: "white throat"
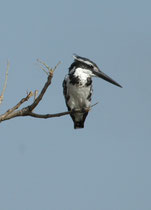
[[83, 74]]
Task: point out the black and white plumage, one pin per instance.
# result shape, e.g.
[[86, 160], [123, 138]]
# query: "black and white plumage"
[[77, 87]]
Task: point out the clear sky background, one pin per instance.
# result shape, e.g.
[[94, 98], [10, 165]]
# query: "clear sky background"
[[46, 164]]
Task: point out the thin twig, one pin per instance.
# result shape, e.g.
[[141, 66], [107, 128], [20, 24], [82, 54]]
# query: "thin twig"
[[50, 70], [94, 104], [43, 63], [56, 66], [44, 69], [9, 111], [35, 94], [5, 83]]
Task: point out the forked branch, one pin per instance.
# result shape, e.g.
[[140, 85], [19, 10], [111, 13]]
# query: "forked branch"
[[28, 110]]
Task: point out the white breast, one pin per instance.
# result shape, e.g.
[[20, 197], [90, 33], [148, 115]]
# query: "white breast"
[[78, 93], [78, 96]]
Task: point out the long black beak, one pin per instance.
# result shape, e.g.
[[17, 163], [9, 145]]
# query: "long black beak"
[[105, 77]]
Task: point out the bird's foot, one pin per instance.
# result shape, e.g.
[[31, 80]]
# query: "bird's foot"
[[83, 110], [86, 109]]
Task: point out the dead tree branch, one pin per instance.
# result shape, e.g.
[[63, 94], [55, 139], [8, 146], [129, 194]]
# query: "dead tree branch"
[[28, 110]]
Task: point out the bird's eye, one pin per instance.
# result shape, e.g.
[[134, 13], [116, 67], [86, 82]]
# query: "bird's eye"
[[91, 66]]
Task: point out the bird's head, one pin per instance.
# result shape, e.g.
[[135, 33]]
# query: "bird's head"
[[90, 68]]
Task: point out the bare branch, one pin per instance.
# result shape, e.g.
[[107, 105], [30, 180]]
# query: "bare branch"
[[49, 78], [25, 112], [28, 110], [46, 116], [40, 96], [9, 111], [5, 83]]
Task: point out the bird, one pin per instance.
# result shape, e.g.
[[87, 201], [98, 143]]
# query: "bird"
[[77, 88]]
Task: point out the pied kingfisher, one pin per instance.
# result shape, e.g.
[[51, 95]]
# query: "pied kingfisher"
[[77, 87]]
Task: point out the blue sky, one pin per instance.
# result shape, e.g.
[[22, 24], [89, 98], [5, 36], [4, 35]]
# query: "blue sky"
[[46, 164]]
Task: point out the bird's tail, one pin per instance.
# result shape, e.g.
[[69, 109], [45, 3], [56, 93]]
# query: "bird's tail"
[[79, 124], [79, 120]]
